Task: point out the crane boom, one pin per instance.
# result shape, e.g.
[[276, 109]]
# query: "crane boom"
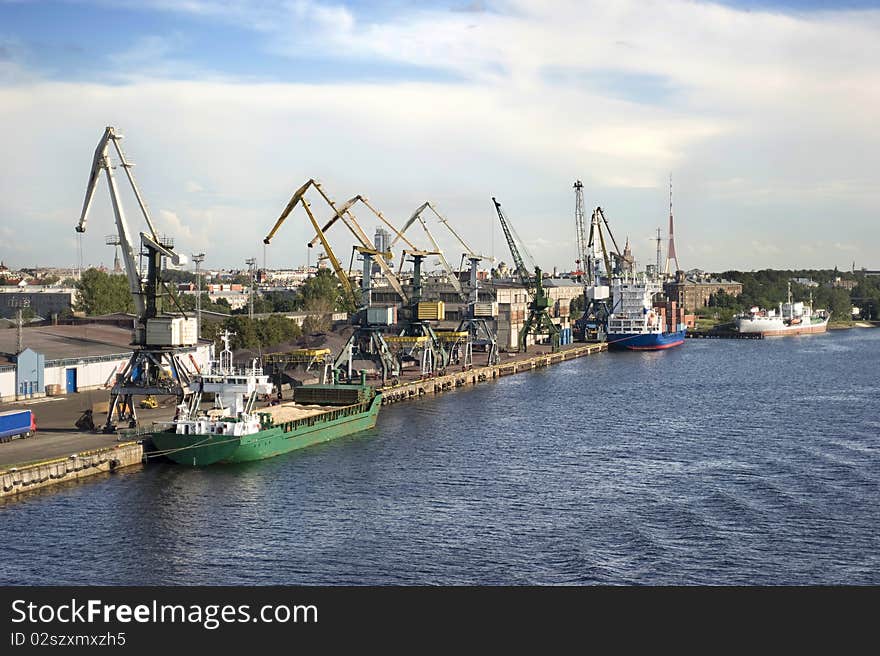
[[344, 213], [521, 270], [297, 198], [417, 215], [101, 162]]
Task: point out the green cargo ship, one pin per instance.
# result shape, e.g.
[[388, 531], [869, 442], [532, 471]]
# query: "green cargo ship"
[[273, 438], [235, 431]]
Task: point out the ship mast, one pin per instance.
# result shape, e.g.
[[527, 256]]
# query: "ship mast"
[[226, 353]]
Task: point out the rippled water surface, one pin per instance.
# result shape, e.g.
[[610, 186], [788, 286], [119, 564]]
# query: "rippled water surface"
[[728, 462]]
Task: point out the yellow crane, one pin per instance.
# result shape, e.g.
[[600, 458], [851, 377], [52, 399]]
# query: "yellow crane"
[[298, 198], [345, 214]]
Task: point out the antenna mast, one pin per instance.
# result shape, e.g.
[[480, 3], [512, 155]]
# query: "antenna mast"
[[670, 251]]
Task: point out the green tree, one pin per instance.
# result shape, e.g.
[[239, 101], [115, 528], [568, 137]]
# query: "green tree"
[[840, 305], [261, 306], [103, 293], [323, 291], [246, 336], [281, 301]]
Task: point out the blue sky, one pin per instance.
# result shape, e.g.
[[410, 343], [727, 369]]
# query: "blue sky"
[[763, 112]]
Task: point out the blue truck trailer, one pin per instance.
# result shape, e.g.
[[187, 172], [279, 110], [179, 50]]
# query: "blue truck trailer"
[[15, 424]]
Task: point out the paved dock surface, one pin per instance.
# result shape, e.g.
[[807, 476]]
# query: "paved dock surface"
[[56, 435]]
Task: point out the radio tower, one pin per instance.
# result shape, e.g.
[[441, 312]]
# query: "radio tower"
[[670, 251]]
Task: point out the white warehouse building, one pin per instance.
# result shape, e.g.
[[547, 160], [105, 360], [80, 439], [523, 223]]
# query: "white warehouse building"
[[73, 358]]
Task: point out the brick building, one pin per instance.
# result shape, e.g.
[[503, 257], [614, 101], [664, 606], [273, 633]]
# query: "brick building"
[[692, 291]]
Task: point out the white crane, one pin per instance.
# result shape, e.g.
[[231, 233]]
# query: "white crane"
[[157, 338]]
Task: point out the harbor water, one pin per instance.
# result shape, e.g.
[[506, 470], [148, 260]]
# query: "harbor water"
[[717, 462]]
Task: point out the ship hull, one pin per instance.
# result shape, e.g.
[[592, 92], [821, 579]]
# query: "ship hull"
[[200, 450], [646, 341], [744, 326]]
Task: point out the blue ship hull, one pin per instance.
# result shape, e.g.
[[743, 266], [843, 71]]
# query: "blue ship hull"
[[646, 342]]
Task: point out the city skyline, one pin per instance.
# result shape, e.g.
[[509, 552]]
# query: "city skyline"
[[761, 111]]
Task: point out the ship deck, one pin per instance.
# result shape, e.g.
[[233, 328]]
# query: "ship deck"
[[292, 411]]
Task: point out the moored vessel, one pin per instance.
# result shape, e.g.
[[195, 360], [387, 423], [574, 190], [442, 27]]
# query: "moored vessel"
[[234, 430], [789, 319], [637, 322]]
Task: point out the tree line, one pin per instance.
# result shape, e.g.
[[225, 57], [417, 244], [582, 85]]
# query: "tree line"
[[101, 293], [768, 288]]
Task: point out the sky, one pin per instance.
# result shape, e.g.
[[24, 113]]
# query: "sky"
[[764, 114]]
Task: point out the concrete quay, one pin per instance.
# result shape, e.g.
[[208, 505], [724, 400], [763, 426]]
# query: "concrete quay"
[[415, 389], [79, 465]]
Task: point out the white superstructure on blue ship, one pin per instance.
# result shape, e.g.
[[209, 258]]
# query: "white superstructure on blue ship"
[[634, 322]]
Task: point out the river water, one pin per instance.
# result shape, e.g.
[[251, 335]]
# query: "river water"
[[718, 462]]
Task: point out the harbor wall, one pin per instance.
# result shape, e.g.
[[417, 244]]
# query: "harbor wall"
[[437, 385], [78, 465]]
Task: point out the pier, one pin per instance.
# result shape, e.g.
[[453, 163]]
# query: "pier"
[[65, 464], [14, 480], [410, 390]]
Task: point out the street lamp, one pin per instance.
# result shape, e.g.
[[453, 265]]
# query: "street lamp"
[[198, 258], [251, 262]]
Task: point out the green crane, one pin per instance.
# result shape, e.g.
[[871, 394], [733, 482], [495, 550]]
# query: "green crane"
[[538, 321]]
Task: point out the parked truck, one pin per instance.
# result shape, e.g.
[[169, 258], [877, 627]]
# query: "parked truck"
[[15, 424]]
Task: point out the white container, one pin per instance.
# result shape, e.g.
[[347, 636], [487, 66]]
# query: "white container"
[[382, 316], [486, 309], [598, 292], [171, 331]]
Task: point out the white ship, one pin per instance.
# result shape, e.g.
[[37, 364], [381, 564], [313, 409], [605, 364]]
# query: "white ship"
[[789, 319]]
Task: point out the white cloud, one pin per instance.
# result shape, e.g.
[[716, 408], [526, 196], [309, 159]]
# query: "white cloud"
[[767, 121]]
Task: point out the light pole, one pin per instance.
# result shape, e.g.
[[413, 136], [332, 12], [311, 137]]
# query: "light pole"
[[251, 262], [198, 258]]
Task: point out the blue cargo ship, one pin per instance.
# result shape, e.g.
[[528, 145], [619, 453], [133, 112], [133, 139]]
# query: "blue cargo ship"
[[646, 342], [636, 322]]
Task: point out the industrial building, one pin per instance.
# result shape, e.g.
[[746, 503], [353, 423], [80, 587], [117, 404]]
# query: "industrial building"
[[693, 290], [509, 296], [43, 301], [73, 358]]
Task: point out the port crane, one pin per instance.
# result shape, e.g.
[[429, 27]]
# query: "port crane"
[[345, 214], [160, 340], [538, 322], [366, 341], [601, 264], [478, 331], [416, 339], [582, 251]]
